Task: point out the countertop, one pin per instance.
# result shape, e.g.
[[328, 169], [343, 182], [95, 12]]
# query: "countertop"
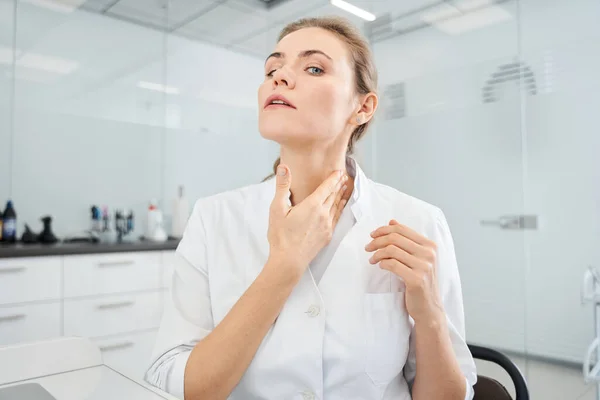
[[62, 249]]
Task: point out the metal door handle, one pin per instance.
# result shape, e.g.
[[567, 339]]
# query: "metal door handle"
[[115, 264], [116, 346], [115, 305], [12, 270], [513, 222], [10, 318]]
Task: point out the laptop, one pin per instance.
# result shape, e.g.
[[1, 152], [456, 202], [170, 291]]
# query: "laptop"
[[25, 391]]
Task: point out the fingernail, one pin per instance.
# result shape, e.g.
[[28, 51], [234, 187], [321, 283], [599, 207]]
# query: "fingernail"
[[281, 171], [371, 259]]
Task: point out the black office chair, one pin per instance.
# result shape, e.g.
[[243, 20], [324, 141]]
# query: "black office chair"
[[488, 388]]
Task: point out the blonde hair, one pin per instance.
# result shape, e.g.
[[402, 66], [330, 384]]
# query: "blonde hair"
[[365, 73]]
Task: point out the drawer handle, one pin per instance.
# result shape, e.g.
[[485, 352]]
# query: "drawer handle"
[[13, 270], [115, 264], [116, 346], [11, 318], [111, 306]]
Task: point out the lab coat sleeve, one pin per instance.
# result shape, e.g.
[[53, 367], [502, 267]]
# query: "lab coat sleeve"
[[451, 294], [187, 315]]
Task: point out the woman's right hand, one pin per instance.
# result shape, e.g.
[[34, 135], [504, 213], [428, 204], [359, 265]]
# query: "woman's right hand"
[[297, 233]]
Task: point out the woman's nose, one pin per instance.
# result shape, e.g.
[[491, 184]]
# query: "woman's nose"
[[283, 76]]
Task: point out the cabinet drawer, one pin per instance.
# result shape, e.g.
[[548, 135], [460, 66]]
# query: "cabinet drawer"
[[110, 315], [168, 258], [111, 273], [29, 323], [29, 279], [128, 354]]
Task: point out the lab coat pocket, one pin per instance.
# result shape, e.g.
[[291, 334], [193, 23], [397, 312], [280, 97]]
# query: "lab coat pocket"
[[387, 330]]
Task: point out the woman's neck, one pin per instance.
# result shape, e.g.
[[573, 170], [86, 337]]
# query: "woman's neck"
[[310, 168]]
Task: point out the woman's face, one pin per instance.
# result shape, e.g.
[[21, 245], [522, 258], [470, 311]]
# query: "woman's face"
[[311, 72]]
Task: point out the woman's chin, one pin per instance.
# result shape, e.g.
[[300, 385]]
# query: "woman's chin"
[[282, 134]]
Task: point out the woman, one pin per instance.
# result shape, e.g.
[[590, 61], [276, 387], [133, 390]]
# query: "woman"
[[319, 283]]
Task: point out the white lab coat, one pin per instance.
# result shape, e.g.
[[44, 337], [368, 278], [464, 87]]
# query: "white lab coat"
[[349, 336]]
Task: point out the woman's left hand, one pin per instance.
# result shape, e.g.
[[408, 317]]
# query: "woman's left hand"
[[412, 257]]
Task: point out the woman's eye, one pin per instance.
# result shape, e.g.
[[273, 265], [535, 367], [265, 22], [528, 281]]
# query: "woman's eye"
[[270, 73], [315, 70]]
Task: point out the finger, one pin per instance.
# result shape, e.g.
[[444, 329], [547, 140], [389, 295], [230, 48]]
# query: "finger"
[[280, 203], [338, 212], [332, 199], [329, 185], [398, 269], [337, 197], [398, 240], [404, 231], [396, 253]]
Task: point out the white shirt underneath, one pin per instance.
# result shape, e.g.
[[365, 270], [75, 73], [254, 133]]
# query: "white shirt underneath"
[[321, 261]]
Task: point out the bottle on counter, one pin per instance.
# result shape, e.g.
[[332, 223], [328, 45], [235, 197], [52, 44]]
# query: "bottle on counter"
[[151, 218], [9, 224], [1, 216], [181, 213]]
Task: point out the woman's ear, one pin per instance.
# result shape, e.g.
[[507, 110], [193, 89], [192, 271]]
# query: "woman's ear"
[[368, 107]]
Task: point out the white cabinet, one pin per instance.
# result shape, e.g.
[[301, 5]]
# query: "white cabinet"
[[111, 273], [109, 315], [129, 354], [29, 279], [116, 299], [29, 323]]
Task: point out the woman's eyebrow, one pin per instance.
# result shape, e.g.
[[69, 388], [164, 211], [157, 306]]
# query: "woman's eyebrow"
[[302, 54]]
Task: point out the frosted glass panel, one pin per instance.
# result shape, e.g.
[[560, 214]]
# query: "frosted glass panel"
[[561, 44], [6, 69], [449, 132], [88, 118], [212, 141]]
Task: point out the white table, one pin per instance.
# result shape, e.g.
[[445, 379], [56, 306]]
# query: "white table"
[[93, 383], [70, 369]]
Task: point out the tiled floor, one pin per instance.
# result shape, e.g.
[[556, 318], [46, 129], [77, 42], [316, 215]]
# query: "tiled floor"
[[546, 381]]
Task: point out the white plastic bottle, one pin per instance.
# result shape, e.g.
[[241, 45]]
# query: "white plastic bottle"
[[181, 213], [151, 219]]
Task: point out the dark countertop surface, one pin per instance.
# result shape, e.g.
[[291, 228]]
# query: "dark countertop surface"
[[62, 249]]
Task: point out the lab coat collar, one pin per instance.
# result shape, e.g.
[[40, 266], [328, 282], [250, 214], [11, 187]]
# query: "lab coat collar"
[[360, 200]]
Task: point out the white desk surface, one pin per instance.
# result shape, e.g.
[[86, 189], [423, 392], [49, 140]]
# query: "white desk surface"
[[94, 383]]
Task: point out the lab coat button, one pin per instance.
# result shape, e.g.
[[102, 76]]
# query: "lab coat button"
[[313, 311]]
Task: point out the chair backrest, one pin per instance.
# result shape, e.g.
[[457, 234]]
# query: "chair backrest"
[[31, 360], [490, 387]]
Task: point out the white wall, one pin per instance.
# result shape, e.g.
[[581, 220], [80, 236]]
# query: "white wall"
[[479, 161], [92, 136]]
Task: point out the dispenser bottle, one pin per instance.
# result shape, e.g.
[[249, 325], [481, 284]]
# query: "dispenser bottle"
[[9, 224]]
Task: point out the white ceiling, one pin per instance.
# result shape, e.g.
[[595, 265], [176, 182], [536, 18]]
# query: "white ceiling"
[[70, 55], [241, 25]]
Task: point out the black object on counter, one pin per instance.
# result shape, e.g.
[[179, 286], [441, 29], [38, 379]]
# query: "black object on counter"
[[29, 237], [47, 236], [9, 224]]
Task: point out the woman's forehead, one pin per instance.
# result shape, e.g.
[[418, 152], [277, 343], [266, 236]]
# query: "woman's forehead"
[[313, 39]]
